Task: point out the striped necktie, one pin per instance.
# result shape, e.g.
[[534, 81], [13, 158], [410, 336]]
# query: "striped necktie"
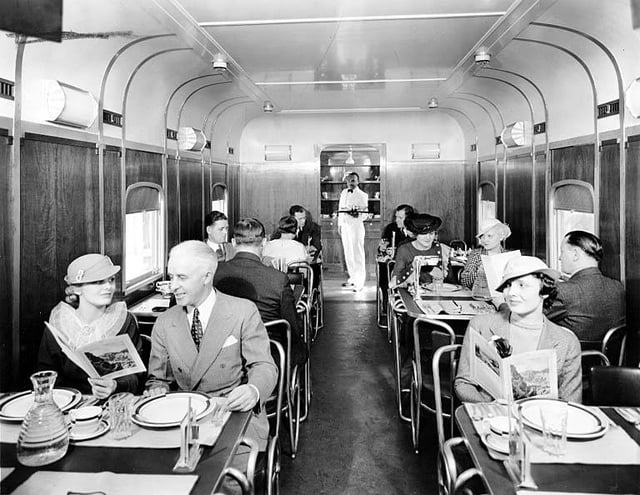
[[196, 329]]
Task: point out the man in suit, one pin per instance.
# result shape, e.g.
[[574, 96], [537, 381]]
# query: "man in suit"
[[217, 228], [310, 235], [211, 342], [245, 276], [588, 303]]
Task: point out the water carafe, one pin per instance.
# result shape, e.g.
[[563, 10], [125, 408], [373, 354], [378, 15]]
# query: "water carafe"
[[44, 436]]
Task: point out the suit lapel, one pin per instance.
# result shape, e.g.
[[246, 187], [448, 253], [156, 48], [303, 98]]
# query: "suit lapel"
[[216, 333]]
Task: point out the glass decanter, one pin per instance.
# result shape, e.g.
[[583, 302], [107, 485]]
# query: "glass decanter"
[[44, 436]]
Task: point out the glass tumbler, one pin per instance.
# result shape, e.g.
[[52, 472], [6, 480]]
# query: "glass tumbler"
[[120, 411]]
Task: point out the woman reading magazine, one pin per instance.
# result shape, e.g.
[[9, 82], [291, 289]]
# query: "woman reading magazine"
[[87, 316], [520, 326]]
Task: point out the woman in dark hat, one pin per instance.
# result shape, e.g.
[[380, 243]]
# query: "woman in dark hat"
[[84, 317], [425, 229]]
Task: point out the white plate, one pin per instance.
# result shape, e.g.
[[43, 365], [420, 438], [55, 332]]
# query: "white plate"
[[499, 443], [581, 422], [169, 410], [16, 406], [102, 428], [445, 288], [500, 424]]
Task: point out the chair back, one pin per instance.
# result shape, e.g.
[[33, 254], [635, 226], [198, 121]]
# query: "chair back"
[[614, 344], [302, 269], [615, 386], [589, 358], [438, 332], [451, 354], [453, 457], [470, 482], [458, 244]]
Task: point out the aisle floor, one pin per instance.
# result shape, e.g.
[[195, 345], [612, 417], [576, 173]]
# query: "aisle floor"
[[353, 441]]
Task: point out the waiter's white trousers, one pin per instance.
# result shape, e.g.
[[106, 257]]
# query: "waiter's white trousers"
[[352, 234]]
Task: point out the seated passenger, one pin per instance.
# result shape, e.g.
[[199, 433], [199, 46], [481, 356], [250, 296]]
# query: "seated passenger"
[[309, 234], [245, 276], [588, 303], [283, 246], [87, 316], [394, 234], [490, 236], [527, 285], [425, 228], [217, 228]]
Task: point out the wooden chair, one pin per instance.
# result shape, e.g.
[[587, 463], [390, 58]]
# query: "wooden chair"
[[615, 386], [422, 389]]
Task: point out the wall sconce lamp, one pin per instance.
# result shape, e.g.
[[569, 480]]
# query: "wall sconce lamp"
[[425, 151], [482, 56], [68, 105], [219, 62], [190, 139], [433, 103], [267, 107], [517, 134], [632, 98], [277, 153]]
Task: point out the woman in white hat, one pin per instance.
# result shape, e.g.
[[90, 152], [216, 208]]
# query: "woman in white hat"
[[491, 235], [84, 317], [527, 285]]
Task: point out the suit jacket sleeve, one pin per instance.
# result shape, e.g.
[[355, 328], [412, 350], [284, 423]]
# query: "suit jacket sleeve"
[[261, 370], [316, 237], [159, 369], [558, 310]]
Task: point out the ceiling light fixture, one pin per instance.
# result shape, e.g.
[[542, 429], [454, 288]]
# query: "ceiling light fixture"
[[219, 61], [433, 103], [267, 107], [350, 160], [482, 56]]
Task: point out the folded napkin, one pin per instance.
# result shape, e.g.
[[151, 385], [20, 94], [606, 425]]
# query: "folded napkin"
[[61, 483], [429, 307]]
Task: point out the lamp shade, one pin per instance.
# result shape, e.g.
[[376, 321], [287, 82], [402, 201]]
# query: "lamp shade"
[[190, 139], [68, 105], [517, 134], [632, 98]]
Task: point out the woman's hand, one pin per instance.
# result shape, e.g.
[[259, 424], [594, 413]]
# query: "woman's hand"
[[102, 388]]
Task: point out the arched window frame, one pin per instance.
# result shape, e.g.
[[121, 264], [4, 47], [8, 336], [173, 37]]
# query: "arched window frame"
[[555, 231], [156, 271], [225, 201], [482, 215]]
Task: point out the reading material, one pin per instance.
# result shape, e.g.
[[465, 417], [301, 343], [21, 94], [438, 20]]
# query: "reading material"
[[529, 374], [494, 268], [112, 357]]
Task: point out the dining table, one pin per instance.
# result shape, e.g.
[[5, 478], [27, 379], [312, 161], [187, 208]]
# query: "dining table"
[[608, 464], [146, 464]]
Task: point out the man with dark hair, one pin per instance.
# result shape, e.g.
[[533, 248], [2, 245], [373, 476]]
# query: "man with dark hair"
[[352, 212], [395, 234], [588, 303], [217, 229], [245, 276], [310, 235]]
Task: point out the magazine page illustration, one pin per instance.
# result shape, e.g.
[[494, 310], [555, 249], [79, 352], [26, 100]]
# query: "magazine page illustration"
[[529, 374], [494, 268], [112, 357]]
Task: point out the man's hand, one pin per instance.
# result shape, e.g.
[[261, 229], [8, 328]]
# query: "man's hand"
[[102, 388], [152, 392], [242, 398]]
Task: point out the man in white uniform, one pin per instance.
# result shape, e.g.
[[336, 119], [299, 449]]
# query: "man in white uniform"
[[352, 213]]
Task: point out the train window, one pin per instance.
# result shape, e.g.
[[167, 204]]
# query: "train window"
[[219, 198], [572, 208], [486, 201], [143, 235]]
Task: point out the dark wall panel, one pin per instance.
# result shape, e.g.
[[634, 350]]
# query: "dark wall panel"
[[173, 232], [5, 268], [609, 221], [59, 202], [541, 207], [143, 166], [633, 245], [573, 162], [233, 183], [488, 171], [190, 176], [519, 206]]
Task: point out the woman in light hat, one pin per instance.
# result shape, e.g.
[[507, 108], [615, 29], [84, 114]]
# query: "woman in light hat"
[[425, 228], [527, 285], [84, 317], [490, 236]]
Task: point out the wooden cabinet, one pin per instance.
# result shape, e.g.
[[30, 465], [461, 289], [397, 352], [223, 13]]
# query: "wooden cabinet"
[[335, 164]]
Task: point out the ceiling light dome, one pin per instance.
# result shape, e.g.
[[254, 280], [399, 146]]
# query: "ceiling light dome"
[[433, 103]]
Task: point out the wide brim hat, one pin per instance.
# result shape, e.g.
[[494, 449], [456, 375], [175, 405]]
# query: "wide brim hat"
[[525, 265], [489, 224], [90, 268], [422, 223]]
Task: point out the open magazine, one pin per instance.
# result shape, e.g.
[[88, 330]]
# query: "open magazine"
[[494, 269], [529, 374], [112, 357]]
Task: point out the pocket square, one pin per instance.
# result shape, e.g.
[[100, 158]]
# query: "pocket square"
[[230, 341]]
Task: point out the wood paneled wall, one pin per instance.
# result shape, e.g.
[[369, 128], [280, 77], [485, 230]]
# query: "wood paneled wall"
[[518, 192], [609, 220], [6, 370], [632, 216], [573, 162], [541, 207], [173, 202], [191, 175]]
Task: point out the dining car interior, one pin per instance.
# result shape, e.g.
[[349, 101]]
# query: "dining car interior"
[[336, 247]]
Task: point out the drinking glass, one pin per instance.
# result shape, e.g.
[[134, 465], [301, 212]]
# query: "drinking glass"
[[554, 427], [120, 410]]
